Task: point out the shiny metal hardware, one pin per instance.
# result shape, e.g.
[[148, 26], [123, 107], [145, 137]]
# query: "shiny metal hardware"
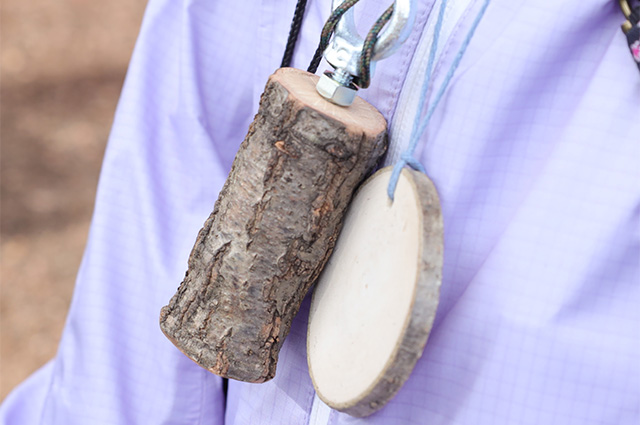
[[626, 11], [345, 48], [337, 88]]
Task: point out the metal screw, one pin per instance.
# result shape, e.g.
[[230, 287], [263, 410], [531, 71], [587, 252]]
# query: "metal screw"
[[342, 76], [337, 87]]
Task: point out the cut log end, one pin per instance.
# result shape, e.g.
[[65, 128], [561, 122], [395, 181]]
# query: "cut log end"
[[359, 116]]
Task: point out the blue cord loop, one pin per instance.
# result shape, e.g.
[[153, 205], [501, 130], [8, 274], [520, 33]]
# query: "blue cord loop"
[[419, 126]]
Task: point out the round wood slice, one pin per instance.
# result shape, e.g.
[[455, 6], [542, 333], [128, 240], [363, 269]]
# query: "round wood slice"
[[375, 302]]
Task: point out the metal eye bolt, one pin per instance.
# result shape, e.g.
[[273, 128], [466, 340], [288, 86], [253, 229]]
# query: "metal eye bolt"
[[346, 46], [345, 49]]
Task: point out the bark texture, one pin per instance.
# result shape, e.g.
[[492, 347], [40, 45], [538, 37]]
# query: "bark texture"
[[273, 227]]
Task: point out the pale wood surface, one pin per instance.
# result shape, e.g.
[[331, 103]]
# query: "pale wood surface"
[[376, 299]]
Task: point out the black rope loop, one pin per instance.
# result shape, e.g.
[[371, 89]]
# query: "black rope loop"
[[327, 32], [364, 67]]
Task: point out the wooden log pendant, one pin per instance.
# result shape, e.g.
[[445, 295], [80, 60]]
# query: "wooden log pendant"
[[273, 227], [375, 302]]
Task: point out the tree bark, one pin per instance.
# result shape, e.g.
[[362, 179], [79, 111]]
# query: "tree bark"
[[273, 227]]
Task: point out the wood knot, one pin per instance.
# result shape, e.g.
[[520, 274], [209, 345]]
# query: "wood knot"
[[282, 148], [338, 151]]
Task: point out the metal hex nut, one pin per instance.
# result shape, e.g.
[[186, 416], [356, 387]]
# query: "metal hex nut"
[[335, 92]]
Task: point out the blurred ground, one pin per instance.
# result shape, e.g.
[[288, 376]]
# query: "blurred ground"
[[63, 64]]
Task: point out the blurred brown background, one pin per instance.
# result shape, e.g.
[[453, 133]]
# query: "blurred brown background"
[[63, 65]]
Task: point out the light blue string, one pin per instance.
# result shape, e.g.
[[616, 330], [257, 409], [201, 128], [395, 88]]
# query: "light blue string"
[[407, 157]]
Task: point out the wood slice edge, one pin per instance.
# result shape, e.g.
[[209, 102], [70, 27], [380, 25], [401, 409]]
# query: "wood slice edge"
[[424, 305]]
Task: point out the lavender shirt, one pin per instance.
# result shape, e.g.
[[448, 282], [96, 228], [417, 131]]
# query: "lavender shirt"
[[535, 151]]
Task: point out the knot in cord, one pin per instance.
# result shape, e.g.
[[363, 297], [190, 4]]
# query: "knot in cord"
[[407, 157]]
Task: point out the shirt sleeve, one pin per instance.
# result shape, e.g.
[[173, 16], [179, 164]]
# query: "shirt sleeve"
[[179, 121], [534, 151]]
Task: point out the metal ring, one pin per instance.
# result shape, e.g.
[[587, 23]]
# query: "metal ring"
[[626, 9], [346, 46]]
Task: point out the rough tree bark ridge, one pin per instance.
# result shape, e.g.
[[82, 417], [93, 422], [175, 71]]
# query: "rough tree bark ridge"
[[273, 227]]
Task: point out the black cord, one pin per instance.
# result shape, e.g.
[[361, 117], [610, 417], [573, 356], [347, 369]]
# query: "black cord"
[[325, 37], [364, 67], [293, 33], [327, 31]]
